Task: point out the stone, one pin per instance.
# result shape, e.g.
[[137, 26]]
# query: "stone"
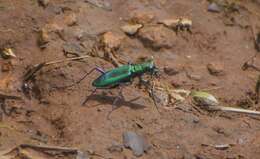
[[157, 37], [6, 66], [44, 38], [177, 83], [135, 142], [82, 155], [101, 4], [115, 148], [216, 69], [171, 71], [73, 49], [53, 27], [131, 29], [161, 97], [71, 19], [54, 9], [111, 40], [191, 119], [142, 17], [194, 76], [214, 7]]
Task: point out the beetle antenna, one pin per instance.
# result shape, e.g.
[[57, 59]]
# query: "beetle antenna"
[[83, 77]]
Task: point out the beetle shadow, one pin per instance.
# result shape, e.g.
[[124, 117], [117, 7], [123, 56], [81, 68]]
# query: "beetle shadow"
[[105, 99]]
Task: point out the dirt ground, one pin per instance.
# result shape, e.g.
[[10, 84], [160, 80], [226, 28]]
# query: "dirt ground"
[[50, 116]]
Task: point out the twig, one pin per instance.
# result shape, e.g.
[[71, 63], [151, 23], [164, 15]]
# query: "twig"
[[250, 63], [212, 89], [50, 148], [257, 89], [255, 35], [31, 72], [66, 60], [5, 96], [235, 110]]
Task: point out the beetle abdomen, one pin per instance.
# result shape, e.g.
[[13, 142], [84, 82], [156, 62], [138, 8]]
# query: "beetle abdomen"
[[113, 77]]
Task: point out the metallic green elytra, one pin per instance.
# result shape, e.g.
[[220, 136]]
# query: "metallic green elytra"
[[123, 74]]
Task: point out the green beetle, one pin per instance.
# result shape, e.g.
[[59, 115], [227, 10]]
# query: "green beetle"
[[120, 76]]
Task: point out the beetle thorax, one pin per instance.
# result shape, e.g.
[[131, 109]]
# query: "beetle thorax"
[[143, 67]]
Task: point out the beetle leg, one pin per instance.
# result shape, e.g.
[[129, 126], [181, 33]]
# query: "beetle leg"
[[189, 29], [120, 95], [142, 81], [86, 100], [153, 98]]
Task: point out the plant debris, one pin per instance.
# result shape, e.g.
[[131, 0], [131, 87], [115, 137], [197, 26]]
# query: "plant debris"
[[7, 53], [257, 42], [234, 110], [3, 106], [219, 147], [203, 98], [257, 89], [41, 152]]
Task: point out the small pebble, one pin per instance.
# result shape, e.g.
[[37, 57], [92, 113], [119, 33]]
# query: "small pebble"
[[115, 147], [135, 142], [71, 19], [73, 49], [44, 38], [161, 97], [82, 155], [216, 69], [194, 76], [213, 7], [131, 29], [171, 71]]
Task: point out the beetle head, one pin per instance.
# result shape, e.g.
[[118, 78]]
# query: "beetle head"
[[154, 70]]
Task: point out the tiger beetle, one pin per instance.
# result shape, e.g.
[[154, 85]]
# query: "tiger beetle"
[[122, 76]]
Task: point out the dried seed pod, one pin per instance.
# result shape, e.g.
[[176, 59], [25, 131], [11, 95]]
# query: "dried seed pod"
[[204, 99]]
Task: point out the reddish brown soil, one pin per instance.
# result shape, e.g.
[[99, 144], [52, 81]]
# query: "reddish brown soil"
[[56, 117]]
